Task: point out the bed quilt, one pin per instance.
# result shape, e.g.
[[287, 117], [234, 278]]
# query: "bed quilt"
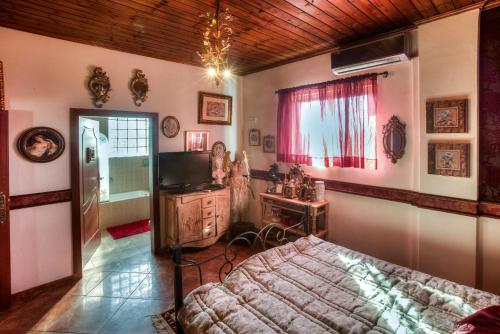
[[314, 286]]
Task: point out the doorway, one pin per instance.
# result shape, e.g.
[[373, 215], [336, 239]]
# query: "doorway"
[[115, 204]]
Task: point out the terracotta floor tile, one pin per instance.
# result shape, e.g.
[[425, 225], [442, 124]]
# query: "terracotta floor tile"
[[120, 269], [79, 314], [23, 315]]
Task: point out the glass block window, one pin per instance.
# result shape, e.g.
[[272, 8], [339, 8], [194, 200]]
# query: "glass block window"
[[128, 137]]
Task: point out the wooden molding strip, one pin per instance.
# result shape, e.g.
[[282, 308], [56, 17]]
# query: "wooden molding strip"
[[33, 293], [421, 200], [427, 201], [39, 199], [489, 209]]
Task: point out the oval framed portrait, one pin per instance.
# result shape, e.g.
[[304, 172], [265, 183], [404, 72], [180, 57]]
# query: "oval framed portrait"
[[170, 126], [41, 144], [218, 149]]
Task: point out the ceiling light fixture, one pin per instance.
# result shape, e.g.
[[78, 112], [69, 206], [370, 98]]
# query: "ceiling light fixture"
[[216, 44]]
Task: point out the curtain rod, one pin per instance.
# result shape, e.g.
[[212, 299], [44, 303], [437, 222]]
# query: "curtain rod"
[[384, 74]]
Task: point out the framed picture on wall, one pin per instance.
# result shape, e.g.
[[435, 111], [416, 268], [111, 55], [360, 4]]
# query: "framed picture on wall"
[[254, 137], [41, 144], [447, 116], [196, 140], [269, 144], [215, 108], [449, 159]]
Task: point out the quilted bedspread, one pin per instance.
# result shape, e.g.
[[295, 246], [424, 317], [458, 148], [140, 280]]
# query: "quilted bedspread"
[[314, 286]]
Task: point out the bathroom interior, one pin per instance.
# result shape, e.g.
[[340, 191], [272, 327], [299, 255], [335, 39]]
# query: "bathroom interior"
[[124, 201]]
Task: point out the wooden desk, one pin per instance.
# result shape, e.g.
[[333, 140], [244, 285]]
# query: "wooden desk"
[[316, 220]]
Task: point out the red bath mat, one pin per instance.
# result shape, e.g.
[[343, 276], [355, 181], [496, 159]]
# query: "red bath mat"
[[127, 230]]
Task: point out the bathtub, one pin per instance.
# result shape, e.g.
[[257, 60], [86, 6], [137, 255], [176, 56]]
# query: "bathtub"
[[123, 208]]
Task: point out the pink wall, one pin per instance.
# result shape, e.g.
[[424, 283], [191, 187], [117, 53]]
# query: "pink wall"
[[452, 246], [44, 78]]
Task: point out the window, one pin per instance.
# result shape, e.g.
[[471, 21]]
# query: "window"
[[322, 131], [128, 137], [329, 124]]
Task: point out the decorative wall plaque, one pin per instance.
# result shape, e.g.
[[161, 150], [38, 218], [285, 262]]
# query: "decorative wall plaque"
[[170, 126], [139, 87], [99, 87], [394, 139]]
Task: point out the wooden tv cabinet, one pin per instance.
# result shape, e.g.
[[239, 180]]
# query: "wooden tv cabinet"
[[195, 219]]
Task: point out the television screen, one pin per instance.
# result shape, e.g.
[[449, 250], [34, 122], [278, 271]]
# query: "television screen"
[[184, 170]]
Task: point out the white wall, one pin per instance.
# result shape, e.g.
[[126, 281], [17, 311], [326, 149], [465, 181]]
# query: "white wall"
[[44, 78], [439, 243]]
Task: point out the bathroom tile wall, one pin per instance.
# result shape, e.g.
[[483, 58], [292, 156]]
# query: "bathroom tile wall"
[[128, 174]]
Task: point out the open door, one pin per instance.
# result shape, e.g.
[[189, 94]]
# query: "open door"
[[89, 187], [5, 288]]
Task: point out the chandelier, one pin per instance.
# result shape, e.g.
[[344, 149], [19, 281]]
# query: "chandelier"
[[216, 44]]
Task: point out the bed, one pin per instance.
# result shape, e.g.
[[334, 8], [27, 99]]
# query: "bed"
[[314, 286]]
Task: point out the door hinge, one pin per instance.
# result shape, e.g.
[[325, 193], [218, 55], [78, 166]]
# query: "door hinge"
[[3, 208]]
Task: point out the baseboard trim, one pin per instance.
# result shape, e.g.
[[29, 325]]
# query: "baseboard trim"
[[32, 293]]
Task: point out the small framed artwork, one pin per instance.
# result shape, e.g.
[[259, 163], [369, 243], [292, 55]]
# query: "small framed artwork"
[[215, 108], [269, 144], [196, 140], [449, 159], [170, 126], [447, 116], [254, 137], [41, 144], [279, 188]]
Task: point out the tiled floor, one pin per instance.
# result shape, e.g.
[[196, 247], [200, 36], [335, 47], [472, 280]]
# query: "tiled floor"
[[122, 286]]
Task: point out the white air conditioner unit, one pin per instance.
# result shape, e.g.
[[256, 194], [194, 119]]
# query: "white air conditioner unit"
[[382, 52]]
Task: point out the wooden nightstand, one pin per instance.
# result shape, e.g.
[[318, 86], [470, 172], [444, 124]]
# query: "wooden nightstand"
[[316, 220]]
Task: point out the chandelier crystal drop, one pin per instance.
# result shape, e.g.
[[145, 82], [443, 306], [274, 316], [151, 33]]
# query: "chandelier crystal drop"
[[216, 44]]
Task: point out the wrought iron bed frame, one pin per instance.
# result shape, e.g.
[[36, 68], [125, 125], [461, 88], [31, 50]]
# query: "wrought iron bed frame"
[[229, 255]]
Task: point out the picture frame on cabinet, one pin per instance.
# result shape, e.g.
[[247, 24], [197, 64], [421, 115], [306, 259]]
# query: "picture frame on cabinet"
[[196, 141]]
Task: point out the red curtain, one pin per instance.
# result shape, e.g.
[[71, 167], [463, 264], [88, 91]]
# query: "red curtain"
[[330, 122]]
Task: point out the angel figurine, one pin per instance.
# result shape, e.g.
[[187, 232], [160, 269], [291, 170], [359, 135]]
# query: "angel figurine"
[[240, 185]]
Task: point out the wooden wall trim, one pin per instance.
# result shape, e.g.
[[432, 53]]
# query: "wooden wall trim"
[[39, 199], [421, 200], [32, 293], [489, 209]]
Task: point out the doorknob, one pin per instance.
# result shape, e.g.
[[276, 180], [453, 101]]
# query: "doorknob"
[[3, 208]]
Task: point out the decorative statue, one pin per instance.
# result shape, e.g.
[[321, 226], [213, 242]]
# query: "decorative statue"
[[218, 172], [273, 178], [240, 185]]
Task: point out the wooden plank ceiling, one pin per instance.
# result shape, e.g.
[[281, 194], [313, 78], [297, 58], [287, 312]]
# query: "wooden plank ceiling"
[[267, 33]]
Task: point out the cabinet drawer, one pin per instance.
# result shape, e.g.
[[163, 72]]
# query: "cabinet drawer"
[[208, 212], [209, 232], [208, 222], [207, 202]]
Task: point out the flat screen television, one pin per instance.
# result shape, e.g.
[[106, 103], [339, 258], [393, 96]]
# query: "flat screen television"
[[184, 171]]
